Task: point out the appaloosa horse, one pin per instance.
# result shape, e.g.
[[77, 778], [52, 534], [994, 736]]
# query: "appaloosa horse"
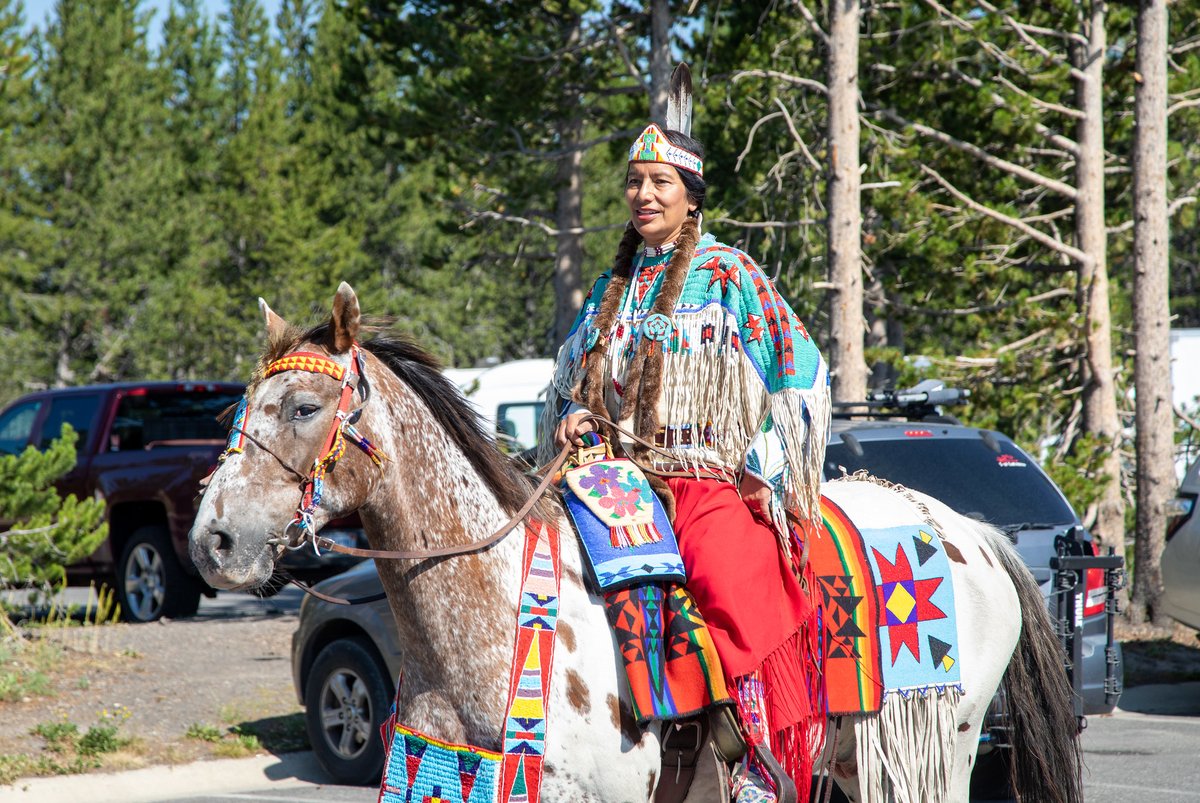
[[438, 480]]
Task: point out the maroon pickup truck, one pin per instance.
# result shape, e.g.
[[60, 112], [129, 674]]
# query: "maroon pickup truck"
[[143, 447]]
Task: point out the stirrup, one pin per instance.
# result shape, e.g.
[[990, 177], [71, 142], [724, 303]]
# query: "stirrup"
[[682, 743], [785, 787], [727, 736]]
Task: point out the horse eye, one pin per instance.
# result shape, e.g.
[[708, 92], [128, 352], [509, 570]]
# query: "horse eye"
[[305, 411]]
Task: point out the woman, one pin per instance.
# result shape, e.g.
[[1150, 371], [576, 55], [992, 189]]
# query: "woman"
[[686, 343]]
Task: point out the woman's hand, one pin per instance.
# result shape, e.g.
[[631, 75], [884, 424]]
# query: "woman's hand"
[[572, 428], [756, 494]]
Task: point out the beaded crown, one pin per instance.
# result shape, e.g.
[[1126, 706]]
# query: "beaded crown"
[[652, 145]]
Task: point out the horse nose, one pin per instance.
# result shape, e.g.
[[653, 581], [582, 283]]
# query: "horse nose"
[[212, 544]]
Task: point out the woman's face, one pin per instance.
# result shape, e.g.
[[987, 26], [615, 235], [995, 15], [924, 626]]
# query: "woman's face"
[[658, 201]]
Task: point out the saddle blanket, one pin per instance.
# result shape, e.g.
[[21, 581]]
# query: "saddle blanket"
[[887, 606]]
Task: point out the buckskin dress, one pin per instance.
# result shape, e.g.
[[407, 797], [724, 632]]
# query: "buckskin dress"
[[743, 389]]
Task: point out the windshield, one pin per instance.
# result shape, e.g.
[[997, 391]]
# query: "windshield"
[[1005, 489]]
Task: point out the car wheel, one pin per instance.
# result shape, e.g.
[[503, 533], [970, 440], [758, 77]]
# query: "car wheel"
[[346, 701], [150, 582]]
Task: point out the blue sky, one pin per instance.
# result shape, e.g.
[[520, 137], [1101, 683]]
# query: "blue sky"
[[37, 11]]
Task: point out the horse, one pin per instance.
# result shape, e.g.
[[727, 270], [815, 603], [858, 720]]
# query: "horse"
[[438, 479]]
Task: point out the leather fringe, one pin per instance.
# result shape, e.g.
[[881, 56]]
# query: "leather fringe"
[[644, 379]]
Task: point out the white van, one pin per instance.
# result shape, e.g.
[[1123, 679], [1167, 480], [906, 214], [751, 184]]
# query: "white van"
[[509, 396]]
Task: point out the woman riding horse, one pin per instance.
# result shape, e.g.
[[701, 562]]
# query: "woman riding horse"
[[687, 342]]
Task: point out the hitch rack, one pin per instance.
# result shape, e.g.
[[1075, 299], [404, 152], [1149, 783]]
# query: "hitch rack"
[[1066, 614]]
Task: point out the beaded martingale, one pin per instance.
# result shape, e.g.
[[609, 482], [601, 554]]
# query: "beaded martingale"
[[418, 767]]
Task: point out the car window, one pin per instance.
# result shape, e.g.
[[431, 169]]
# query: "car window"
[[16, 426], [519, 422], [78, 411], [148, 418], [1004, 489]]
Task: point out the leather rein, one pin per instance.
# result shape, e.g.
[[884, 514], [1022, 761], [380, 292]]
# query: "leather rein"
[[334, 447]]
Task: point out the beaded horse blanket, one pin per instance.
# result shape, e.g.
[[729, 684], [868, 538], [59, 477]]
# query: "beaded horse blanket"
[[887, 605]]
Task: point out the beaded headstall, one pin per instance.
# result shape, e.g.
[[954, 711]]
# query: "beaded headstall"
[[341, 430]]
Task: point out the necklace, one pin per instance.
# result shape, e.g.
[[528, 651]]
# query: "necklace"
[[652, 251]]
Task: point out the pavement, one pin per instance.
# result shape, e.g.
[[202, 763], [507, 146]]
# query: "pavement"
[[241, 778], [162, 783]]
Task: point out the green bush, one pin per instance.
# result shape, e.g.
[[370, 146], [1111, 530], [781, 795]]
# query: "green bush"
[[49, 532]]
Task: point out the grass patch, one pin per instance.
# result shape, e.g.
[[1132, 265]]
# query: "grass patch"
[[238, 745], [70, 750], [230, 743], [282, 734], [26, 666], [204, 733], [14, 766]]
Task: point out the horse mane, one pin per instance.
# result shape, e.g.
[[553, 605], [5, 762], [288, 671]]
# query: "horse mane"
[[422, 373]]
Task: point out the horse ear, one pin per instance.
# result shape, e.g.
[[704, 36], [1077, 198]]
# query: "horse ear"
[[346, 319], [276, 326]]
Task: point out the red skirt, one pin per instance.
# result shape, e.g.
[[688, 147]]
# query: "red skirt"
[[760, 617]]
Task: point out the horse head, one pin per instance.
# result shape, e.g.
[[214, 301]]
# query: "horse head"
[[299, 418]]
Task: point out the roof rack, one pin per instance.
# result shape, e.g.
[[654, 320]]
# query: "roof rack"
[[918, 403]]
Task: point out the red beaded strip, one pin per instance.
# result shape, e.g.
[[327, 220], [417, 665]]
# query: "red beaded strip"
[[306, 361]]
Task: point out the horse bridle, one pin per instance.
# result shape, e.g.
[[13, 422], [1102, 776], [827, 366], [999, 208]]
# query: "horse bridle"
[[341, 429]]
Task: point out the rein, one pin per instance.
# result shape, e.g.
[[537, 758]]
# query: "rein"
[[550, 470]]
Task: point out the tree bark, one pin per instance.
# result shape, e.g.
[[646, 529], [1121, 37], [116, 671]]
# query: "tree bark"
[[1151, 313], [568, 208], [660, 59], [1099, 391], [848, 367]]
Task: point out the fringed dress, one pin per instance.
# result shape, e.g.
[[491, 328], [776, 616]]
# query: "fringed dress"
[[743, 389]]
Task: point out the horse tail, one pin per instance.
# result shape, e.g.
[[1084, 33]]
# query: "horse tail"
[[1046, 761]]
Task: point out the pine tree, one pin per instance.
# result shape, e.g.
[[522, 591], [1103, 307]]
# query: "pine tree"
[[48, 532]]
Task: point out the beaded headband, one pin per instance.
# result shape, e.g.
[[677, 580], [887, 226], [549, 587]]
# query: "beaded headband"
[[652, 145]]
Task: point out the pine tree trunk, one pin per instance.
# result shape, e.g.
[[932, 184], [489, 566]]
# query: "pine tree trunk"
[[660, 59], [568, 208], [848, 368], [1151, 313], [1099, 391]]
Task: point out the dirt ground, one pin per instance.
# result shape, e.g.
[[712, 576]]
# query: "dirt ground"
[[218, 675], [1153, 656], [224, 672]]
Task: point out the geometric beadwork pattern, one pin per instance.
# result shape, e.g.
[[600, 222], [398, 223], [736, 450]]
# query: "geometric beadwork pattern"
[[918, 629], [419, 769], [669, 657], [306, 361], [887, 606], [424, 770], [533, 656]]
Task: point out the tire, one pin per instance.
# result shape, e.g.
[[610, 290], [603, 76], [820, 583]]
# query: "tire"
[[346, 700], [150, 583]]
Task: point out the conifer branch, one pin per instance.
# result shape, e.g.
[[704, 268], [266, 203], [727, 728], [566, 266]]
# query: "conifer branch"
[[979, 153], [1020, 225]]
